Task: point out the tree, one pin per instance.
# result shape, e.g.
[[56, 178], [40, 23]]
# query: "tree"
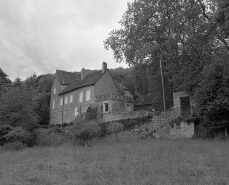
[[212, 96], [171, 31], [4, 81], [17, 108], [222, 17], [42, 97]]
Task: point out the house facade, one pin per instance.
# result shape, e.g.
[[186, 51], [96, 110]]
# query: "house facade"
[[73, 91]]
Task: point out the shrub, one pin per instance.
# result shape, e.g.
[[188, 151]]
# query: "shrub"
[[51, 136], [103, 129], [16, 145], [115, 127], [21, 135], [85, 131], [4, 129]]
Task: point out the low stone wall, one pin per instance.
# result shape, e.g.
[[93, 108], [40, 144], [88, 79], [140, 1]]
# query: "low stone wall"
[[125, 115], [162, 125]]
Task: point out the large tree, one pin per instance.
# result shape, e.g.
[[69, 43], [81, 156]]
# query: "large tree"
[[212, 96], [177, 33], [4, 81], [17, 108]]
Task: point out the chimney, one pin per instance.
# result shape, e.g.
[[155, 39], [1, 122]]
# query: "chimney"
[[104, 67], [83, 73]]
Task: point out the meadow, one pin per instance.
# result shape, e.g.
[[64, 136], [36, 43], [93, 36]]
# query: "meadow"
[[133, 162]]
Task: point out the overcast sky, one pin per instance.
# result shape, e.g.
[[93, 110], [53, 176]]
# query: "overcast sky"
[[40, 36]]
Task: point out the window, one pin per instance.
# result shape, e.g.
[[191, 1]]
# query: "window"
[[66, 100], [66, 112], [53, 104], [71, 98], [54, 91], [88, 94], [81, 97], [61, 101], [76, 111], [105, 107]]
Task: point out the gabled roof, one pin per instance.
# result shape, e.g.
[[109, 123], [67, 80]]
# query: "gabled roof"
[[65, 78], [90, 79], [145, 99]]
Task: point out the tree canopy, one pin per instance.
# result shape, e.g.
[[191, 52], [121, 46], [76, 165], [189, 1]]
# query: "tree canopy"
[[179, 33], [190, 39]]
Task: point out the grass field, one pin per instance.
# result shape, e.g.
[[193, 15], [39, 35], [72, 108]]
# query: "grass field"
[[135, 162]]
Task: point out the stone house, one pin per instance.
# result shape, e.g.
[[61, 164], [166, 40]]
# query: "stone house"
[[72, 91]]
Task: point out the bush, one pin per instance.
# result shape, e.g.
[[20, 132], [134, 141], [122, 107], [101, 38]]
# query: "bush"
[[85, 131], [19, 134], [103, 129], [16, 145], [115, 127], [51, 136], [4, 129]]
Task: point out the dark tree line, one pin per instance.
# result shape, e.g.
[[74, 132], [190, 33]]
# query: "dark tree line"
[[25, 103]]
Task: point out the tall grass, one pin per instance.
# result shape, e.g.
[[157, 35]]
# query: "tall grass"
[[133, 162]]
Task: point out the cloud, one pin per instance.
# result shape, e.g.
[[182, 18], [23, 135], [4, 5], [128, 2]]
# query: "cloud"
[[45, 35]]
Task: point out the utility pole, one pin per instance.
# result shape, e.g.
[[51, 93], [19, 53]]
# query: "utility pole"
[[162, 83]]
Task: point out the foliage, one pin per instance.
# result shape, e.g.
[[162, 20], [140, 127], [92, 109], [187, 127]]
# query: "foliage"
[[4, 82], [115, 127], [19, 134], [222, 17], [50, 137], [4, 129], [176, 33], [17, 108], [92, 111], [212, 97], [83, 132], [15, 146]]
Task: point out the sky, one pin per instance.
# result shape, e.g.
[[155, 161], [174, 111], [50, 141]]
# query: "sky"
[[40, 36]]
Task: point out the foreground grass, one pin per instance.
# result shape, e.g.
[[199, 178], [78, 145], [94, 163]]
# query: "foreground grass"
[[123, 162]]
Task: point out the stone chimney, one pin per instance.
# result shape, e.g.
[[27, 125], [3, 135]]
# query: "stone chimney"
[[83, 73], [104, 67]]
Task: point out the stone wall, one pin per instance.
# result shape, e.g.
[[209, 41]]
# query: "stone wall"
[[124, 115], [162, 126]]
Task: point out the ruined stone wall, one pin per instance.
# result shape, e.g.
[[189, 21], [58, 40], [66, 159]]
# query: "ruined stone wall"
[[124, 115], [162, 128]]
